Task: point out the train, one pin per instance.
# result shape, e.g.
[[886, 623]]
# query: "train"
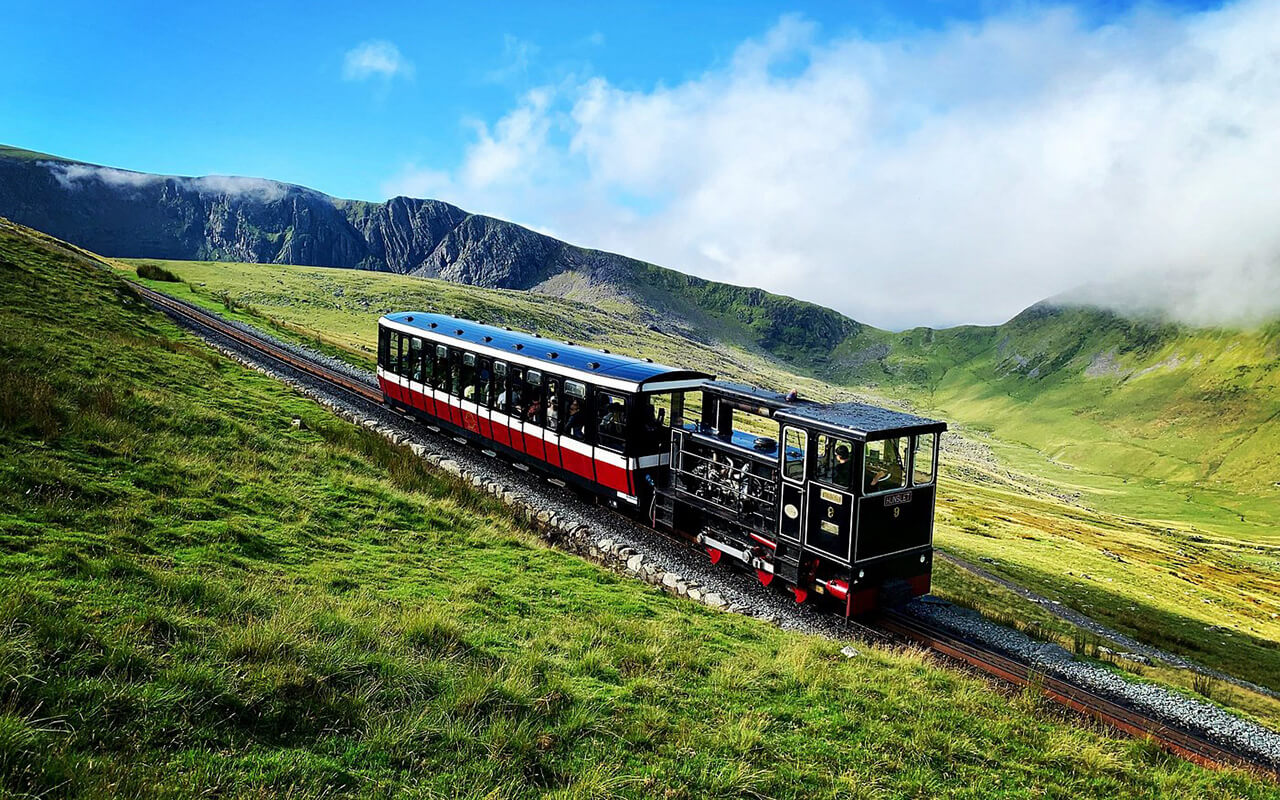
[[835, 502]]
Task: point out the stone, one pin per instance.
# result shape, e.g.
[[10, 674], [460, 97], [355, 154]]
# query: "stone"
[[694, 594], [714, 600], [634, 562], [848, 652], [670, 580], [605, 544]]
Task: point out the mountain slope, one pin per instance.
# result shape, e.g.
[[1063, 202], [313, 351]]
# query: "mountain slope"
[[130, 214], [199, 598], [1120, 396]]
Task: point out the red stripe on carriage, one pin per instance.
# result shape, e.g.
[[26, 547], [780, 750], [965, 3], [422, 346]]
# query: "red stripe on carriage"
[[533, 446], [553, 453], [577, 463], [612, 476]]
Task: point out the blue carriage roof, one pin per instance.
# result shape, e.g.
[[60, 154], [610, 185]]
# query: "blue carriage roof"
[[555, 354]]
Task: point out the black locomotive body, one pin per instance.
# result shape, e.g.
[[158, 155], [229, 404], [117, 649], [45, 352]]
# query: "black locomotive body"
[[840, 503], [828, 499]]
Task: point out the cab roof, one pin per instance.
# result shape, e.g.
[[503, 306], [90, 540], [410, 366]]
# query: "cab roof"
[[858, 420], [556, 355]]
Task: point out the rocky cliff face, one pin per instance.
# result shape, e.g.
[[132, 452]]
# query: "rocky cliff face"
[[217, 218]]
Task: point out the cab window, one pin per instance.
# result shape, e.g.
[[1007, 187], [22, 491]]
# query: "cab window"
[[924, 462], [793, 450], [885, 465], [835, 461]]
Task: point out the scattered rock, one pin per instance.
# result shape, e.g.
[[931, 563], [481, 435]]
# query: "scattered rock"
[[848, 652]]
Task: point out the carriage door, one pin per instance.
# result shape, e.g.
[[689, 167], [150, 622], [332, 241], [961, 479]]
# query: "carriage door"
[[791, 508]]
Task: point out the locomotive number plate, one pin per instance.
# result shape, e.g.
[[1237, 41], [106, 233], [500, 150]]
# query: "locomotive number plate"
[[832, 497], [831, 528], [897, 499]]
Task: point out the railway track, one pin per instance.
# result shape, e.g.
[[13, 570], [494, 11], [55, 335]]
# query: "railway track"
[[1187, 744], [888, 627]]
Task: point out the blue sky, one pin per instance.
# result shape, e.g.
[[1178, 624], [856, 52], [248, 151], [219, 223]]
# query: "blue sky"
[[554, 117], [252, 88]]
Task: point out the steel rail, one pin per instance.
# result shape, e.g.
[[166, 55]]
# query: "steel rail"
[[212, 321], [1188, 745]]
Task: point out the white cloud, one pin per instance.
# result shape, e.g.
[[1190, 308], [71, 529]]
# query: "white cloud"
[[376, 58], [74, 176], [936, 178]]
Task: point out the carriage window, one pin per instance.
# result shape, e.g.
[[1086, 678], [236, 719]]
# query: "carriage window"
[[384, 347], [535, 411], [691, 416], [612, 428], [500, 385], [923, 460], [402, 357], [575, 410], [440, 375], [514, 402], [415, 359], [655, 415], [393, 351], [835, 461], [484, 376], [428, 363], [793, 455], [885, 466], [554, 400], [464, 377]]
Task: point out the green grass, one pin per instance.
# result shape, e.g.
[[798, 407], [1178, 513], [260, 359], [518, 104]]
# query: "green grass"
[[1008, 507], [200, 598]]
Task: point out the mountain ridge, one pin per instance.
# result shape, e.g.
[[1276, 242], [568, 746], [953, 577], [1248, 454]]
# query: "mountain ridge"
[[121, 213]]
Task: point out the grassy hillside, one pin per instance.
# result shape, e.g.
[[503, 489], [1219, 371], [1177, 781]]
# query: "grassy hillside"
[[1175, 583], [1190, 414], [200, 598]]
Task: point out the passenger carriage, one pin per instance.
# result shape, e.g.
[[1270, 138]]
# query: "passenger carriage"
[[591, 418], [832, 499]]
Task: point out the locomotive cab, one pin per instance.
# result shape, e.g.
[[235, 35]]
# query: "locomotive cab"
[[834, 499]]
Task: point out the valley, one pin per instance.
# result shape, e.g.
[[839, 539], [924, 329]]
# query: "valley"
[[200, 594], [1188, 588]]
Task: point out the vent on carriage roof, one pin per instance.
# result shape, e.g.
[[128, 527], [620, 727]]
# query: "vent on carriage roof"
[[458, 332], [518, 346], [537, 336], [434, 325], [552, 354], [593, 364], [408, 318], [604, 349], [506, 327], [648, 360], [488, 338]]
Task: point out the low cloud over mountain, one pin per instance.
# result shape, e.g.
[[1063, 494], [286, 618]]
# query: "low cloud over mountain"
[[924, 176]]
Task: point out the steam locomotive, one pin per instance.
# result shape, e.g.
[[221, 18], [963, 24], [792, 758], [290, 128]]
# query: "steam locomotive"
[[830, 500]]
